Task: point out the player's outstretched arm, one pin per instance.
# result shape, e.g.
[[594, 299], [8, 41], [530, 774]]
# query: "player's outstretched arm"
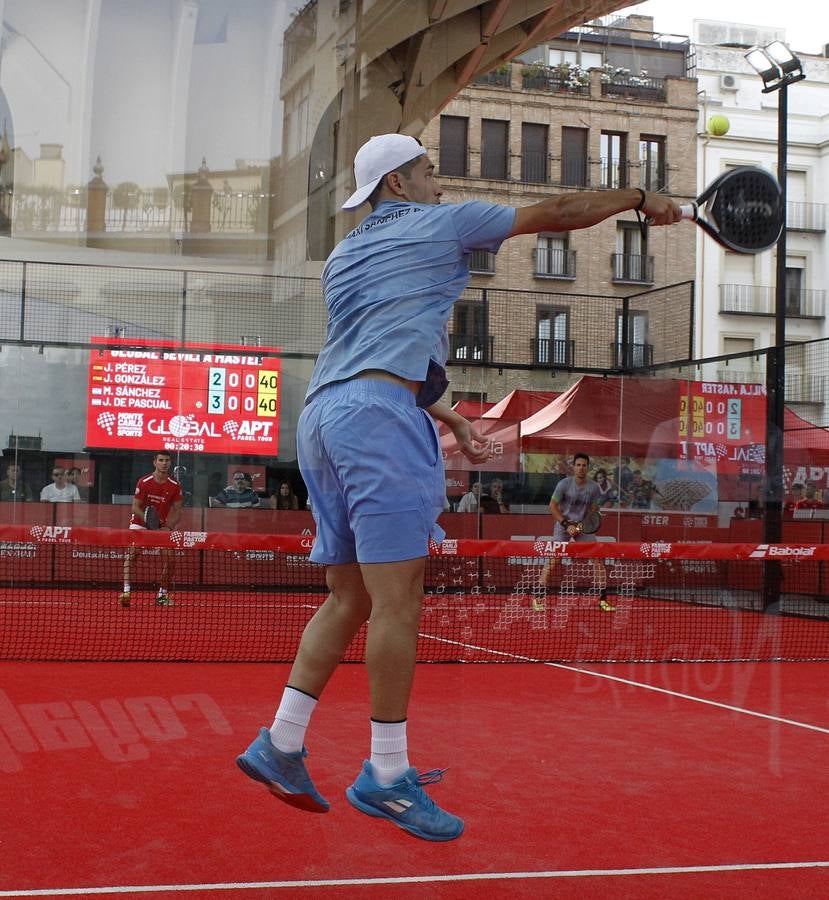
[[569, 212]]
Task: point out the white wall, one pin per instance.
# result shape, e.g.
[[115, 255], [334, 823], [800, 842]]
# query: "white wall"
[[752, 140]]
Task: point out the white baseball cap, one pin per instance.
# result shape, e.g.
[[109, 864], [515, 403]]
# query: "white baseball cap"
[[380, 155]]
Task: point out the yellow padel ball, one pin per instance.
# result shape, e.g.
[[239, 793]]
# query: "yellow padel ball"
[[718, 125]]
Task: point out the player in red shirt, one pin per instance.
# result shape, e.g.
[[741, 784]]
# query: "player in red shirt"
[[163, 493]]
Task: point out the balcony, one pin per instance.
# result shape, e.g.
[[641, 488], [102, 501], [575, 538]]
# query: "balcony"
[[631, 356], [614, 173], [500, 77], [634, 87], [535, 167], [550, 262], [801, 388], [759, 300], [652, 176], [729, 375], [553, 352], [471, 349], [562, 79], [481, 262], [805, 216], [633, 268]]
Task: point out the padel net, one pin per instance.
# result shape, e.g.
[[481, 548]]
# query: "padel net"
[[247, 597]]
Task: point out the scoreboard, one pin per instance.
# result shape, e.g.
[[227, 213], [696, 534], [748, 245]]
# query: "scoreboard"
[[222, 399], [723, 422]]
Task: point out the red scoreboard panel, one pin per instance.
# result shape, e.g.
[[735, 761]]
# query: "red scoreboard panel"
[[725, 423], [200, 399]]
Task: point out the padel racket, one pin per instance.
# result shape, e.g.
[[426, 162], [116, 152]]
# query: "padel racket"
[[742, 209], [151, 519], [591, 523]]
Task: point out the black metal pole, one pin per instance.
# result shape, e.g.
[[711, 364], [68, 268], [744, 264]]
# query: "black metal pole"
[[775, 376]]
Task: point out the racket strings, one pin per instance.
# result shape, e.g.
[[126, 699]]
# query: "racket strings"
[[748, 210]]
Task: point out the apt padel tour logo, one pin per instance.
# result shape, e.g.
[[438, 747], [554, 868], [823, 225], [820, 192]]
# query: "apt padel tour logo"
[[51, 534]]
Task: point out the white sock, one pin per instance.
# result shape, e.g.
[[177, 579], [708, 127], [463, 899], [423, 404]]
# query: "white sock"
[[127, 587], [389, 751], [292, 718]]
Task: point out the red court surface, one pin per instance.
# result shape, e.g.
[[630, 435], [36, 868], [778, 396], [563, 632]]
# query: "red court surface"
[[621, 781]]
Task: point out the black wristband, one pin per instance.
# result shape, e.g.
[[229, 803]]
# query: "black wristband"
[[642, 198]]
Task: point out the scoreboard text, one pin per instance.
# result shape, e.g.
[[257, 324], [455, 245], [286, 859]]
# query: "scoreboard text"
[[222, 401]]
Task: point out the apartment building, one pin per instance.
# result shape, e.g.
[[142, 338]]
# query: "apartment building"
[[597, 108], [736, 294]]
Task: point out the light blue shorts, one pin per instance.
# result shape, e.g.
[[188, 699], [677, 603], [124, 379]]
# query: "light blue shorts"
[[372, 464]]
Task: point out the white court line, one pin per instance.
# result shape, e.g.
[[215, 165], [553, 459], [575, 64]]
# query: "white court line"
[[413, 879], [640, 684]]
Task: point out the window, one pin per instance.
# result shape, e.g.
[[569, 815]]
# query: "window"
[[652, 163], [552, 344], [533, 152], [638, 352], [587, 59], [453, 145], [743, 368], [482, 262], [574, 157], [553, 257], [494, 149], [631, 261], [614, 159], [795, 271], [802, 385], [468, 341]]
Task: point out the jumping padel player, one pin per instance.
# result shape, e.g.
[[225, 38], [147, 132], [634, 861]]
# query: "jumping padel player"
[[370, 456], [157, 503]]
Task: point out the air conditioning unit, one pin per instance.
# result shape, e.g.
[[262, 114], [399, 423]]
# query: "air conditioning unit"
[[729, 82]]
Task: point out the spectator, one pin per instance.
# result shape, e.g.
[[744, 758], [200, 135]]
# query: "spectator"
[[12, 487], [285, 498], [237, 495], [810, 499], [75, 476], [795, 497], [495, 502], [471, 501], [60, 490]]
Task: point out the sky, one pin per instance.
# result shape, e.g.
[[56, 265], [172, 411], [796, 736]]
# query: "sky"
[[806, 24]]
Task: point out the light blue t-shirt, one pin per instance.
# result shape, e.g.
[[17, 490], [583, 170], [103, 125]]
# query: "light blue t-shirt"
[[390, 285]]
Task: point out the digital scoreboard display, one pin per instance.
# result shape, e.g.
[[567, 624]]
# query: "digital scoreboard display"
[[195, 399], [725, 423]]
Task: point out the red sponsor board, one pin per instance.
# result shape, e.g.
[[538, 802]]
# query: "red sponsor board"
[[725, 423], [199, 399]]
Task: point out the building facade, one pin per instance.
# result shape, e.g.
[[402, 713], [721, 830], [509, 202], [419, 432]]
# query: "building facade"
[[572, 115], [736, 294]]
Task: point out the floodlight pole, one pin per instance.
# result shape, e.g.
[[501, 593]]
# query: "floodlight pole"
[[776, 375], [776, 367]]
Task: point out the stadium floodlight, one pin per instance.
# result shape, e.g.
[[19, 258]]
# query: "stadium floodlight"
[[776, 65]]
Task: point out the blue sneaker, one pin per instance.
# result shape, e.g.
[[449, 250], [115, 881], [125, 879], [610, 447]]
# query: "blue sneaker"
[[406, 804], [284, 774]]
